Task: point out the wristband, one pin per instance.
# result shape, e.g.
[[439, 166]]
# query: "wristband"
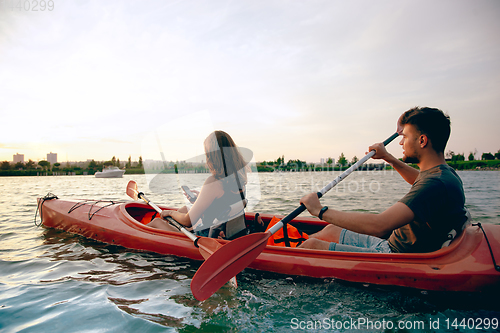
[[322, 211]]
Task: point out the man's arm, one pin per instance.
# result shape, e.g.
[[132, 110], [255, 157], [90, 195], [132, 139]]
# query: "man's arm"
[[378, 225], [408, 173]]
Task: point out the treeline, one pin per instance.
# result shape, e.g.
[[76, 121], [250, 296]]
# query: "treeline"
[[298, 166], [452, 157], [44, 167], [488, 161], [475, 165]]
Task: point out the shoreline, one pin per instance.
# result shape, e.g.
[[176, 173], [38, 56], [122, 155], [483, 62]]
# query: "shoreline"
[[35, 173]]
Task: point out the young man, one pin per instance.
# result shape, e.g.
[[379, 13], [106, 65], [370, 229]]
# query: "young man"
[[422, 219]]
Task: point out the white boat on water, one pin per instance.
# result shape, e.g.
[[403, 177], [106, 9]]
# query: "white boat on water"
[[110, 172]]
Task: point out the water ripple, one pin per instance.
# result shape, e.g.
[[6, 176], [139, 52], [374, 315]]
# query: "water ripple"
[[55, 281]]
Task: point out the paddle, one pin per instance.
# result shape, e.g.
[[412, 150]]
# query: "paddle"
[[233, 257], [207, 246]]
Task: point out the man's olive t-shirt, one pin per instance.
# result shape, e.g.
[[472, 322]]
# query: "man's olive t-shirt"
[[437, 199]]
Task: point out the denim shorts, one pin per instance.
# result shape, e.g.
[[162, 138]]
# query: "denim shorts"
[[350, 241]]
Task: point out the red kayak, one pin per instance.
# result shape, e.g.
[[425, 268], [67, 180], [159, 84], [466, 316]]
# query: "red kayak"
[[467, 264]]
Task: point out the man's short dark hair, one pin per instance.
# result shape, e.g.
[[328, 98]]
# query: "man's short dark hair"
[[431, 122]]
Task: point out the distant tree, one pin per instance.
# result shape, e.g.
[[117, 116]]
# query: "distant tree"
[[487, 156], [113, 160], [44, 164], [449, 154], [92, 165], [458, 157], [129, 163], [56, 166], [471, 156], [30, 165], [5, 165], [140, 162], [19, 166], [329, 161], [108, 163], [497, 154], [354, 160], [118, 162], [342, 159]]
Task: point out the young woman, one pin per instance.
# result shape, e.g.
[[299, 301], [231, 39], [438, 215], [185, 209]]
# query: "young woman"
[[223, 191]]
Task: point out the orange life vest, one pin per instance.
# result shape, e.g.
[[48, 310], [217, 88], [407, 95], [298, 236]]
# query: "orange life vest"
[[288, 236]]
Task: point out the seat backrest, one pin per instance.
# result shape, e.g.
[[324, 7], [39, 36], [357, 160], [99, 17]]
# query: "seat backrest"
[[454, 232], [236, 219]]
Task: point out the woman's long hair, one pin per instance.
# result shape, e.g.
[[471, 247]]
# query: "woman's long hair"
[[224, 158]]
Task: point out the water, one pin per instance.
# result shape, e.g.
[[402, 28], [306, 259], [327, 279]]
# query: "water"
[[53, 281]]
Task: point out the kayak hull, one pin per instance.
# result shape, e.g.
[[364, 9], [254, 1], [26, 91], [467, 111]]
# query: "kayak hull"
[[466, 265]]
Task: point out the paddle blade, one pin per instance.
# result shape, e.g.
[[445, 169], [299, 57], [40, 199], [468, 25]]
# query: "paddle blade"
[[208, 246], [225, 263], [132, 190]]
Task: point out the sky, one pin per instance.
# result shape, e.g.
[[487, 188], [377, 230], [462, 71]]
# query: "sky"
[[303, 79]]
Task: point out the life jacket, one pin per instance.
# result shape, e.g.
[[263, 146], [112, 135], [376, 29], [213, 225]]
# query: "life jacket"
[[288, 236]]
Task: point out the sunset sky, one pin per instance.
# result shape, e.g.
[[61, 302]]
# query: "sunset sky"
[[304, 79]]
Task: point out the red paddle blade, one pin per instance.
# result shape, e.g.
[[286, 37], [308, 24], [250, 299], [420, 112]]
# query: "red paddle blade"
[[225, 263], [132, 190], [207, 246]]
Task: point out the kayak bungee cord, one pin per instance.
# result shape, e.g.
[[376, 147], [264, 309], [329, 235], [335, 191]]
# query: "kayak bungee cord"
[[48, 196], [95, 202], [497, 267], [51, 196]]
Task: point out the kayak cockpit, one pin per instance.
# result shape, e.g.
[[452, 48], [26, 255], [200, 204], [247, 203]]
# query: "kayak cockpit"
[[143, 214]]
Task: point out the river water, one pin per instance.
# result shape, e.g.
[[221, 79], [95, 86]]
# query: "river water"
[[53, 281]]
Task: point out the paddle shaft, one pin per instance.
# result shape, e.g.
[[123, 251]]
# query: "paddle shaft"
[[169, 218], [328, 187]]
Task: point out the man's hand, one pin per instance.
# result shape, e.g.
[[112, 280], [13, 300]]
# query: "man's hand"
[[311, 201], [380, 151], [400, 126]]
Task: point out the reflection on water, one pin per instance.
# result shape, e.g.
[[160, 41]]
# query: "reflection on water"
[[52, 280]]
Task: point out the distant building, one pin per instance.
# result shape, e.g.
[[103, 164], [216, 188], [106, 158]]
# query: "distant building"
[[18, 158], [322, 161], [51, 158]]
